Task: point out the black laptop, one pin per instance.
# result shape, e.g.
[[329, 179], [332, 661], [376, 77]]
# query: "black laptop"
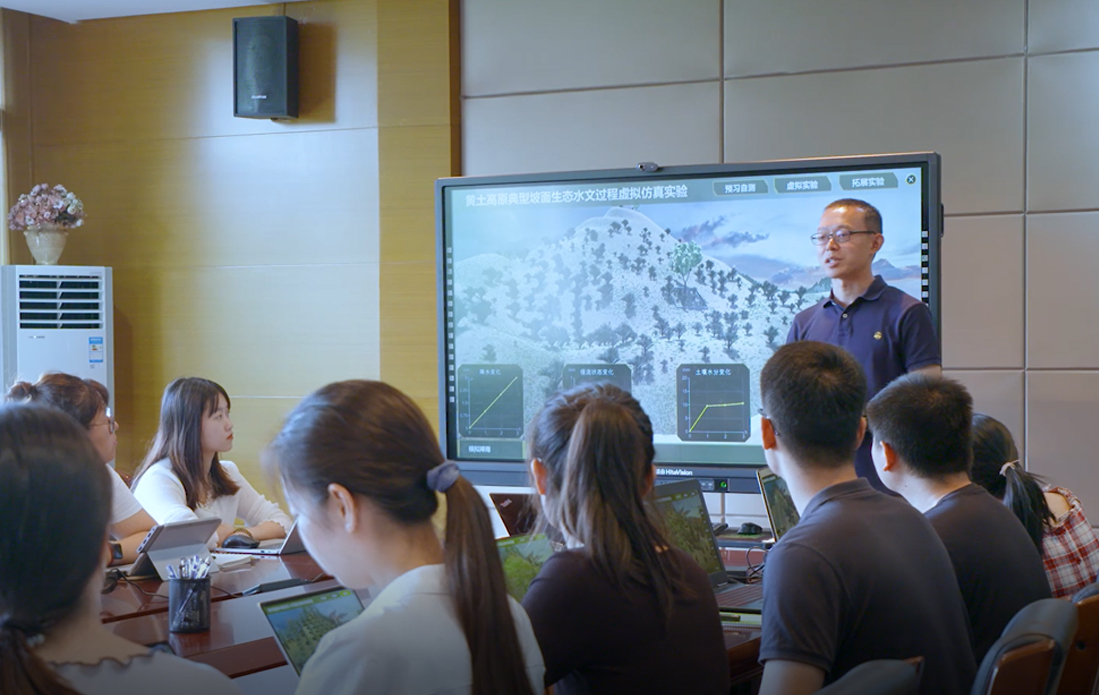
[[688, 525]]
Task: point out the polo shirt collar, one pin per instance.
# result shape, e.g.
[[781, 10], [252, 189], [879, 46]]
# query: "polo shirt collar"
[[858, 486], [871, 294]]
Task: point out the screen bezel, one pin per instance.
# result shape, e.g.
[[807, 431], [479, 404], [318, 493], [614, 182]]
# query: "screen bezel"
[[723, 478]]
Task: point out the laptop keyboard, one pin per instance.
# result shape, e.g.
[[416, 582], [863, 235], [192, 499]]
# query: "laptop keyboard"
[[742, 595]]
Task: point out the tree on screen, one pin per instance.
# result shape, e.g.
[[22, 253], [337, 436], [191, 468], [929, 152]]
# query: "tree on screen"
[[685, 257]]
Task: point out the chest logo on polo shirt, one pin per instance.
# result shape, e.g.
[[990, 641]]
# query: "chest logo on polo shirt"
[[877, 335]]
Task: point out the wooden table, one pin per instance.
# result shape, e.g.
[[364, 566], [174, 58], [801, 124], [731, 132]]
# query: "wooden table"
[[240, 640], [146, 596]]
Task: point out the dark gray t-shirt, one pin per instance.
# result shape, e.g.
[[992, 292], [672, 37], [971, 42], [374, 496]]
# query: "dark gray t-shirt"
[[864, 576], [598, 636], [999, 570]]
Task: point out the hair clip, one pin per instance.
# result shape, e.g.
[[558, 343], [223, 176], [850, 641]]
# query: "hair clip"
[[1009, 464]]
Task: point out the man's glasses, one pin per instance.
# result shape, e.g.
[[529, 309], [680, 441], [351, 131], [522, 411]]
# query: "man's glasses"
[[110, 424], [842, 236]]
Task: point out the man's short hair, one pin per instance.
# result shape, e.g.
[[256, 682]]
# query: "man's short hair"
[[927, 420], [814, 395], [869, 212]]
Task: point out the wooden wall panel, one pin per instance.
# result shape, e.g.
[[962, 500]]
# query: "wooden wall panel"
[[15, 126], [300, 197], [245, 251], [418, 79], [175, 78], [272, 257]]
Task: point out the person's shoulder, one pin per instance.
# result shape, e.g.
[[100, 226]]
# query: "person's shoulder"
[[901, 299], [200, 677], [230, 468]]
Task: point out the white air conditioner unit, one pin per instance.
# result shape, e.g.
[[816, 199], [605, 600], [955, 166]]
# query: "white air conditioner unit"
[[56, 319]]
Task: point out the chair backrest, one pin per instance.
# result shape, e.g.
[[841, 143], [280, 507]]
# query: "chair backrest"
[[1030, 654], [881, 677], [1081, 674]]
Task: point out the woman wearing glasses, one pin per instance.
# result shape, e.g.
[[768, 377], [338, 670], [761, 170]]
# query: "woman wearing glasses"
[[86, 401]]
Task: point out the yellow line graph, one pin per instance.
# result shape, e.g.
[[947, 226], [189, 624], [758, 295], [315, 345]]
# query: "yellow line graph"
[[711, 405], [494, 402]]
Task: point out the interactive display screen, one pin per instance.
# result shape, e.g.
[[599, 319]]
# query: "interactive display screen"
[[676, 285]]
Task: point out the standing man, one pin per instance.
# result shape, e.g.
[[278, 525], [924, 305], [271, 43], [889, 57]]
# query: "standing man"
[[889, 332]]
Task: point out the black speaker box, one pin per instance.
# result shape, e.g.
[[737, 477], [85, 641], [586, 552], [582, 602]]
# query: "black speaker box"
[[265, 67]]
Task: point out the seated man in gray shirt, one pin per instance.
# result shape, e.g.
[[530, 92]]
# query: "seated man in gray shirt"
[[863, 575], [922, 450]]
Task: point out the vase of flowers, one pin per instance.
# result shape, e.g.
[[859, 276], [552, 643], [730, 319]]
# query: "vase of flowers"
[[45, 216]]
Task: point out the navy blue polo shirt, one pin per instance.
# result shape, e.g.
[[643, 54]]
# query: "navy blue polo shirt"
[[889, 332]]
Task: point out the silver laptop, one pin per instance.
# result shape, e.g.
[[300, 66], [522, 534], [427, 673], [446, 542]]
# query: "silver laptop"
[[687, 523], [276, 546], [781, 512], [300, 621], [167, 544]]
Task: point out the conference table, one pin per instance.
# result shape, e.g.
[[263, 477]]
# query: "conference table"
[[240, 641]]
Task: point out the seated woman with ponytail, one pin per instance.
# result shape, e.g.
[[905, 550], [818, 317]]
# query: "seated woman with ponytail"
[[86, 401], [363, 473], [52, 640], [1052, 516], [619, 611]]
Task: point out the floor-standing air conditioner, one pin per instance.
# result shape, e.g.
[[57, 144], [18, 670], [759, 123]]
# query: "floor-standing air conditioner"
[[56, 319]]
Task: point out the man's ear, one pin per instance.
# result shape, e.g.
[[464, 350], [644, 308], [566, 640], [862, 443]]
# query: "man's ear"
[[343, 507], [767, 430], [862, 430], [538, 472], [877, 242], [890, 456]]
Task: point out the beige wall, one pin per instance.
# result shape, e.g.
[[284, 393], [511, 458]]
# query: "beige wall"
[[250, 252], [1006, 90]]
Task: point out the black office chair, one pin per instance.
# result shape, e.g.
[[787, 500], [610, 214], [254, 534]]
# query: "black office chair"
[[1081, 674], [881, 677], [1030, 654]]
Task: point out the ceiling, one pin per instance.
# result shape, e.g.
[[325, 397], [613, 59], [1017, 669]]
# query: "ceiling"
[[76, 10]]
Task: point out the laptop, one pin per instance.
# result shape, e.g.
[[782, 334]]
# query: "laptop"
[[522, 558], [781, 512], [299, 622], [687, 523], [516, 511], [276, 546], [167, 544]]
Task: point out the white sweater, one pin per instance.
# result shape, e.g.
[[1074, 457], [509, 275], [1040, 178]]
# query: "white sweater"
[[161, 494]]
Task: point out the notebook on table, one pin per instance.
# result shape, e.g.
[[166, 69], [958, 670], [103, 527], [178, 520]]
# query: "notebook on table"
[[299, 622], [277, 546], [687, 523], [782, 515]]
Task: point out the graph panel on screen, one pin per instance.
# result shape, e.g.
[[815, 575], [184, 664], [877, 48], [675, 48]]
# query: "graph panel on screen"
[[714, 403], [676, 286]]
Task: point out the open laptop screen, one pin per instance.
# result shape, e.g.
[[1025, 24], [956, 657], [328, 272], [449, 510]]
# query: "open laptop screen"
[[688, 523], [300, 621], [781, 511]]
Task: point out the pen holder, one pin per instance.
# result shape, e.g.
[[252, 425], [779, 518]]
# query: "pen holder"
[[189, 605]]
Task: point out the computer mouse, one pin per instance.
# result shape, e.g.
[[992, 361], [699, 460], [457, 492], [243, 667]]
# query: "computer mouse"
[[239, 540], [750, 529]]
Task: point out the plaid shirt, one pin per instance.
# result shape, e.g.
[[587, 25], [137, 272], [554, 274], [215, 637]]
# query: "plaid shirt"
[[1070, 550]]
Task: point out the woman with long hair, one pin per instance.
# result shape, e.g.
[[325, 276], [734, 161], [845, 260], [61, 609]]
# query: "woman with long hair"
[[52, 641], [86, 401], [183, 478], [620, 610], [362, 470], [1053, 516]]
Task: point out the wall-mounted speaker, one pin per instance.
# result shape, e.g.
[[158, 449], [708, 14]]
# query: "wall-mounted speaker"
[[265, 67]]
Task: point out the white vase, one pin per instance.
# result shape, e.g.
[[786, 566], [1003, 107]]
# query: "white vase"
[[46, 244]]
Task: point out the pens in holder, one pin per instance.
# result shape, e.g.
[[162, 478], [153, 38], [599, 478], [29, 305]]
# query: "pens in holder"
[[189, 595]]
